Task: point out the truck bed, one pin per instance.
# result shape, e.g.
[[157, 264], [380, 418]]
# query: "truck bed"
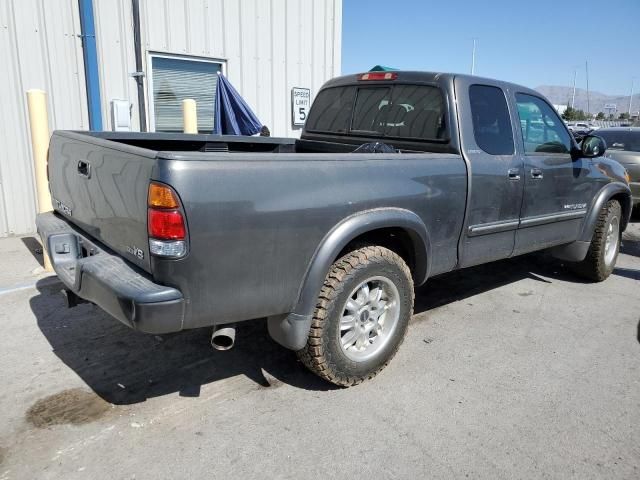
[[256, 208]]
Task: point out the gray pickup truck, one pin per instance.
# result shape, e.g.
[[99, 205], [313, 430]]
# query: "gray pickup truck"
[[397, 177]]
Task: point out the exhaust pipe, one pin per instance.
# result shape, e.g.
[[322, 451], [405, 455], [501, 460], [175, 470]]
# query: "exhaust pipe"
[[223, 338]]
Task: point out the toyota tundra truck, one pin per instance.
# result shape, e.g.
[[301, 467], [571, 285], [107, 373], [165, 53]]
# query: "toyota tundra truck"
[[398, 177]]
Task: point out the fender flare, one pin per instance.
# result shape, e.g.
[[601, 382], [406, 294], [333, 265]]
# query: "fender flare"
[[291, 330], [602, 197]]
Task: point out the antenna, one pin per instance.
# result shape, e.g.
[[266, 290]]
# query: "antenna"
[[573, 96], [586, 67], [473, 57]]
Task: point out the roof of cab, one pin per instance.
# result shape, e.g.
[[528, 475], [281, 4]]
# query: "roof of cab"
[[405, 76]]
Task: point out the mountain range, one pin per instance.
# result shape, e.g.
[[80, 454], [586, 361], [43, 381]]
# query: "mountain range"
[[562, 96]]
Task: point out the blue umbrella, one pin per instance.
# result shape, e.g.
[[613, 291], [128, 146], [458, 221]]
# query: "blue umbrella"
[[233, 116]]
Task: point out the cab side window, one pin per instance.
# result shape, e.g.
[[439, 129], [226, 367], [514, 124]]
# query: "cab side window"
[[542, 129], [491, 122]]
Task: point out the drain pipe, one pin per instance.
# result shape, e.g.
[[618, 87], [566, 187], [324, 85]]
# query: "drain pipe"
[[139, 73], [90, 57]]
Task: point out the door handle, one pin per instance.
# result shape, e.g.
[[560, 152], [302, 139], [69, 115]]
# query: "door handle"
[[84, 169], [536, 174], [514, 174]]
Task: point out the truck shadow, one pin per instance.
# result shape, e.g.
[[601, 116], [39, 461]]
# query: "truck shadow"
[[126, 367], [630, 246], [461, 284]]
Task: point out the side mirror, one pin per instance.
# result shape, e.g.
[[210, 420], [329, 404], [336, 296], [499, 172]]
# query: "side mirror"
[[593, 146]]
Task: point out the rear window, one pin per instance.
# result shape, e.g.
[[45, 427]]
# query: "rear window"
[[331, 110], [371, 109], [398, 111], [629, 141]]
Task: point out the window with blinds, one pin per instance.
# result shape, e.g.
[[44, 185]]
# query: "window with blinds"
[[175, 79]]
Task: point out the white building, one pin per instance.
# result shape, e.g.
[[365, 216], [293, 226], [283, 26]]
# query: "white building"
[[264, 47]]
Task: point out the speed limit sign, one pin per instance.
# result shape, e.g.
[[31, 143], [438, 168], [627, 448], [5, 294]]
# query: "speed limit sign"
[[300, 104]]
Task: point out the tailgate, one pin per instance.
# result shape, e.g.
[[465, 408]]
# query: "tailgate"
[[101, 186]]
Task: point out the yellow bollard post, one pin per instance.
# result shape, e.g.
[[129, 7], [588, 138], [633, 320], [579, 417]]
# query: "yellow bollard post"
[[39, 123], [189, 116]]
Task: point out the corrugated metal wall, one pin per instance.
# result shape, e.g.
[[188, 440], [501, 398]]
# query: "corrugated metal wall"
[[40, 48], [269, 46]]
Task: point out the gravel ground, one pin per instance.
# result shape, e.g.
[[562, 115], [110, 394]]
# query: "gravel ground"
[[516, 369]]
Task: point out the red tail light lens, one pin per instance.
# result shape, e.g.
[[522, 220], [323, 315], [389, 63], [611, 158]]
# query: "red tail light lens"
[[166, 224]]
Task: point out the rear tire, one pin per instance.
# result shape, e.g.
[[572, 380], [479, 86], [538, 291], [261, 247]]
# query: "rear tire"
[[361, 316], [605, 244]]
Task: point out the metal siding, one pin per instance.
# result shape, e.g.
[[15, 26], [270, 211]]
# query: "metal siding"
[[196, 14], [269, 47], [41, 47], [264, 63], [214, 28], [232, 40], [116, 56], [281, 96], [336, 25], [318, 46]]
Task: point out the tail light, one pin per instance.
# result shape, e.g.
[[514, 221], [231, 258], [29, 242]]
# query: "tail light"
[[166, 225], [378, 76], [165, 222]]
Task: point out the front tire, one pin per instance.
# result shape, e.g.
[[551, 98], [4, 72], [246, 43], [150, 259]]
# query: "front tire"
[[605, 244], [361, 316]]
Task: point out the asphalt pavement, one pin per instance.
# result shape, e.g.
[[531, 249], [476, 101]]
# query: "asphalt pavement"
[[517, 369]]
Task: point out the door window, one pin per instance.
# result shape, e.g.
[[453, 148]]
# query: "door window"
[[491, 121], [542, 130]]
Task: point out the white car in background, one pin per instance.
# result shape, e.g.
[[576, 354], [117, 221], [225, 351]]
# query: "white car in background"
[[582, 127]]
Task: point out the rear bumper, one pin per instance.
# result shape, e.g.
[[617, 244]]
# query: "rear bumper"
[[94, 273]]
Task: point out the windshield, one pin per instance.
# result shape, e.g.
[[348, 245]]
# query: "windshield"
[[621, 140], [398, 111]]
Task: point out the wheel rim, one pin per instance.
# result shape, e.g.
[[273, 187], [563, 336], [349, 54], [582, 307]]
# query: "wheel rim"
[[611, 241], [369, 318]]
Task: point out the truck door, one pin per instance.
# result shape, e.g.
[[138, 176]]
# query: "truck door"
[[557, 189], [495, 172]]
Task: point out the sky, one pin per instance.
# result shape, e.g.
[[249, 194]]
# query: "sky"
[[532, 43]]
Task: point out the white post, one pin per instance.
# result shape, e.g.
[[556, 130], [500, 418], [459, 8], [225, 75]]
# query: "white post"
[[189, 116], [631, 96], [39, 125]]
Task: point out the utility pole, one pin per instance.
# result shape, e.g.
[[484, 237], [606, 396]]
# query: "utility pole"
[[586, 67], [573, 96], [631, 96], [473, 57]]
